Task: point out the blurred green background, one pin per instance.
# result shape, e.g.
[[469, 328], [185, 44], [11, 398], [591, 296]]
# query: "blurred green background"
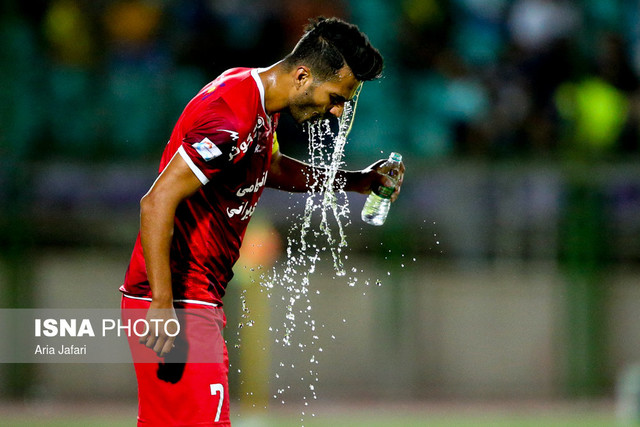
[[508, 270]]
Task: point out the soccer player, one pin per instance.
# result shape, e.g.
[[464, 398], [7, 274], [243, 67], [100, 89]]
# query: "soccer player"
[[221, 154]]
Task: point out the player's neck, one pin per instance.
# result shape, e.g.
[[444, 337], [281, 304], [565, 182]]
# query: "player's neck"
[[275, 80]]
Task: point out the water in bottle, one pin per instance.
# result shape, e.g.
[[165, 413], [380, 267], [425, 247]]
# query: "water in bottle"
[[376, 207]]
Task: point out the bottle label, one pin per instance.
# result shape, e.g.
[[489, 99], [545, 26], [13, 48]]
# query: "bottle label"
[[385, 192]]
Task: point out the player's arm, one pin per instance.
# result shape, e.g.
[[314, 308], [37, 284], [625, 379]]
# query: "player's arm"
[[157, 213], [292, 175]]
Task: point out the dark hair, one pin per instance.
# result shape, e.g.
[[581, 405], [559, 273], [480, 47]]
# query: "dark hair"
[[329, 43]]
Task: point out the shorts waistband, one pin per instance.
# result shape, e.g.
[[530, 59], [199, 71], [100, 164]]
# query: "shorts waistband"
[[187, 301]]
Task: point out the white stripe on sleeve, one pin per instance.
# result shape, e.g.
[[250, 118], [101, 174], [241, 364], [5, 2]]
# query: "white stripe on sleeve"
[[203, 179]]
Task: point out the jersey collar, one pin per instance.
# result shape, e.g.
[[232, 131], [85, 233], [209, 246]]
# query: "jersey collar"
[[256, 77]]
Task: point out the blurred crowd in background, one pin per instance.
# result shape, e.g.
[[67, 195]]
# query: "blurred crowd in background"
[[525, 77], [106, 79]]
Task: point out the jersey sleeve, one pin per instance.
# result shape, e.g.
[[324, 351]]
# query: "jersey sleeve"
[[210, 145]]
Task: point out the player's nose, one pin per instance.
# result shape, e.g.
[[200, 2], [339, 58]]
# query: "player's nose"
[[337, 110]]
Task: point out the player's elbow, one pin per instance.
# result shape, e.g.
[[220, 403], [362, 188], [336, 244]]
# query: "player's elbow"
[[150, 203], [145, 205]]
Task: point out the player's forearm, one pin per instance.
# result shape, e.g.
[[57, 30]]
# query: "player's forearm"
[[292, 175], [156, 233], [288, 174], [356, 181]]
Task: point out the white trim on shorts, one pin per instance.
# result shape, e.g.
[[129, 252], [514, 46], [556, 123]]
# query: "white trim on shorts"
[[188, 301]]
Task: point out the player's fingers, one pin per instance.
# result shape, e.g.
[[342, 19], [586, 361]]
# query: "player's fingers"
[[396, 191], [143, 339], [398, 186], [394, 196], [159, 344], [167, 347], [150, 340], [388, 182]]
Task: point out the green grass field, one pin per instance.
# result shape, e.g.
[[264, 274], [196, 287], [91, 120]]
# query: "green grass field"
[[357, 415]]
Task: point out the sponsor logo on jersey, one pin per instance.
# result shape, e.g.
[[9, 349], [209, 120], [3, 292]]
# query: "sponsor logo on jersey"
[[243, 147], [207, 149], [246, 210], [240, 149], [253, 188], [234, 134]]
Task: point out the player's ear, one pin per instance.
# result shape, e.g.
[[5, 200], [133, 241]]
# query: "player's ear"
[[302, 76]]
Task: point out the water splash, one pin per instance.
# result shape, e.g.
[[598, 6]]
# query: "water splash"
[[328, 200], [307, 245]]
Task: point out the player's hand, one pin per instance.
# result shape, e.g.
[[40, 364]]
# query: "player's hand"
[[163, 329], [375, 179]]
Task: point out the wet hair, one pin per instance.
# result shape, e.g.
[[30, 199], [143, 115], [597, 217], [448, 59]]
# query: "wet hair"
[[330, 43]]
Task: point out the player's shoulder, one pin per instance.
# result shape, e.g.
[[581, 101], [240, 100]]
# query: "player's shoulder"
[[236, 87], [229, 82], [237, 74]]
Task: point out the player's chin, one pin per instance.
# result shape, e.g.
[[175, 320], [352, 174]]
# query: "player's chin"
[[301, 115], [303, 119], [313, 117]]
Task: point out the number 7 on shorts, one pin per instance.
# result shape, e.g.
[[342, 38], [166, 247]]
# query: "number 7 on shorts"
[[215, 389]]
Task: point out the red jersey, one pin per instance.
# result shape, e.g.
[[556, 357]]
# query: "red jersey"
[[226, 137]]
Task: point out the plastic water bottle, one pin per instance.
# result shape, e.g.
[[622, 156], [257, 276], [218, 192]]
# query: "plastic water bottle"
[[376, 207]]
